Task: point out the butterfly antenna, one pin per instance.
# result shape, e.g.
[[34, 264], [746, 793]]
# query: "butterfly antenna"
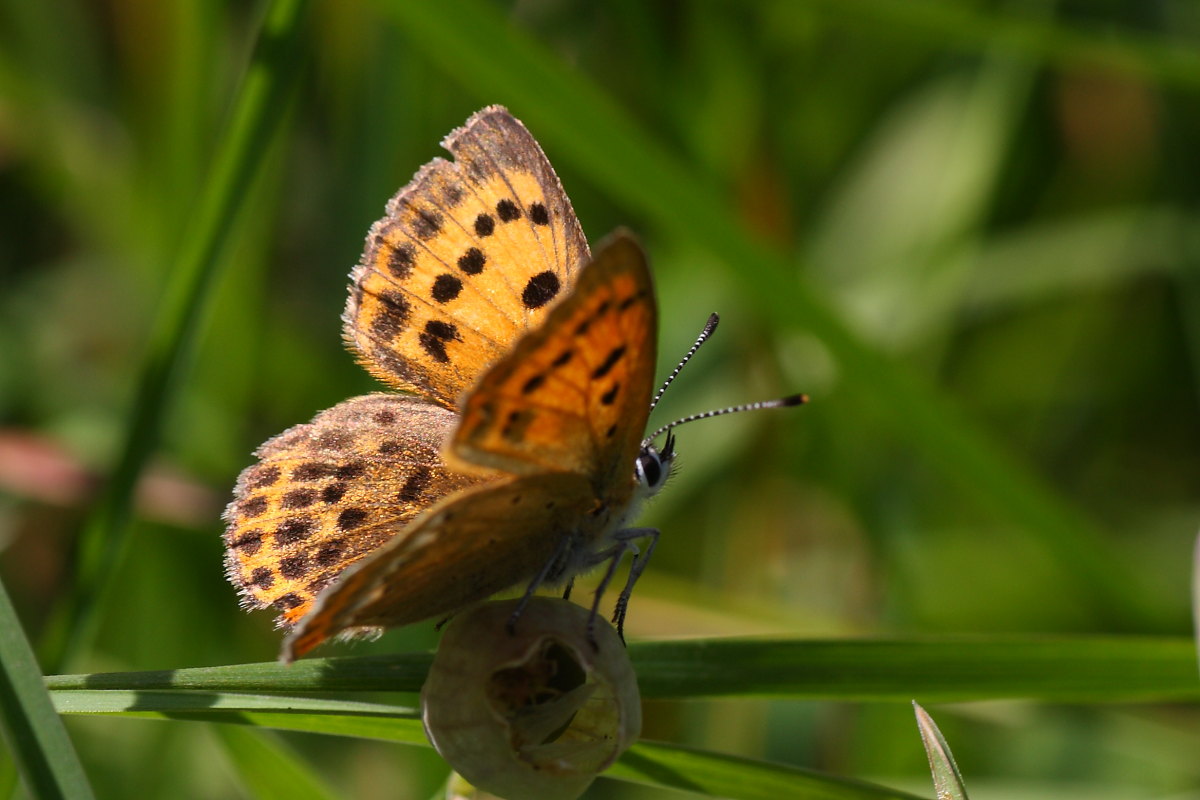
[[709, 327], [783, 402]]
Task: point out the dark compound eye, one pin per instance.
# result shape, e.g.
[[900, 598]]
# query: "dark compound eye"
[[650, 468]]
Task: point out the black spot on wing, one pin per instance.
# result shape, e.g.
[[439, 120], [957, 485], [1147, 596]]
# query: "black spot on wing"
[[393, 317], [516, 424], [263, 476], [400, 260], [433, 339], [294, 530], [446, 288], [472, 261], [629, 301], [293, 567], [333, 493], [330, 554], [611, 395], [350, 470], [253, 507], [351, 518], [427, 224], [248, 543], [288, 601], [609, 362], [416, 483], [299, 498], [540, 290], [507, 210]]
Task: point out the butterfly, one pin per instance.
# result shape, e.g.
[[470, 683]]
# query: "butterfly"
[[515, 456]]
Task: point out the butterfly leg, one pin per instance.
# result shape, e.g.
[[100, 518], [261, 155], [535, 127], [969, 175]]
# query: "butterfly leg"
[[636, 567], [555, 562], [613, 556], [567, 590]]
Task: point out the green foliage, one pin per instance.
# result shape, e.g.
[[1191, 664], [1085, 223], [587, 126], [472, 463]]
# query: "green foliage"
[[947, 782], [35, 736], [966, 230]]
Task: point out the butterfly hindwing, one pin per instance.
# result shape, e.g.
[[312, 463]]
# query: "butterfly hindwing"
[[472, 253], [326, 493], [461, 551], [573, 395]]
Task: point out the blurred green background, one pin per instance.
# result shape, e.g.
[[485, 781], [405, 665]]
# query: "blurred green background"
[[967, 230]]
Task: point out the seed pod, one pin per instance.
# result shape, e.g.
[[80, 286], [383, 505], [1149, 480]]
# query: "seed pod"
[[536, 713]]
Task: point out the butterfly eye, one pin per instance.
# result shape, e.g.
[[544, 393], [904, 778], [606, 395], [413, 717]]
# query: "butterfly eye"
[[650, 469]]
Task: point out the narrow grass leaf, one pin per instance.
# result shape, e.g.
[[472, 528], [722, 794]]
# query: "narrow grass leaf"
[[1056, 669], [716, 774], [651, 763], [947, 781], [35, 735]]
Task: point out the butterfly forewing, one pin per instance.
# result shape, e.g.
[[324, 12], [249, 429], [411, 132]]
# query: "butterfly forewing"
[[471, 254], [326, 493], [574, 395], [463, 550]]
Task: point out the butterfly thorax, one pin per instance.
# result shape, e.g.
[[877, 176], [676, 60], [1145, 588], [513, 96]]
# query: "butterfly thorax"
[[602, 525]]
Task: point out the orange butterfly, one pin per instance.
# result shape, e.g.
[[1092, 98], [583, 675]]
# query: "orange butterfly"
[[521, 459]]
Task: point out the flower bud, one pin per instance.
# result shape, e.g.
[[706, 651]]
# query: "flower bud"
[[536, 713]]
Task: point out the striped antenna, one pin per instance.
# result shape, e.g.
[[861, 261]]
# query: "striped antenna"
[[783, 402], [709, 327]]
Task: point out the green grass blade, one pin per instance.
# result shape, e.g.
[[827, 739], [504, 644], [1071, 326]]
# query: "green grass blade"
[[476, 44], [268, 767], [651, 763], [1056, 669], [34, 732], [720, 775], [947, 781], [256, 123], [305, 715], [221, 704]]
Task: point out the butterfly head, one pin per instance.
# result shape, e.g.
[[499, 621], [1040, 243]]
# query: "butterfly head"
[[653, 466]]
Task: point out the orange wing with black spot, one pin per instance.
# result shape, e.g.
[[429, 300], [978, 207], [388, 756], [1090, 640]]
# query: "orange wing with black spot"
[[470, 255], [326, 493], [574, 395], [562, 416]]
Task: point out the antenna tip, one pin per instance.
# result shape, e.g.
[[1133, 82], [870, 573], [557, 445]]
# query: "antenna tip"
[[711, 325], [794, 400]]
